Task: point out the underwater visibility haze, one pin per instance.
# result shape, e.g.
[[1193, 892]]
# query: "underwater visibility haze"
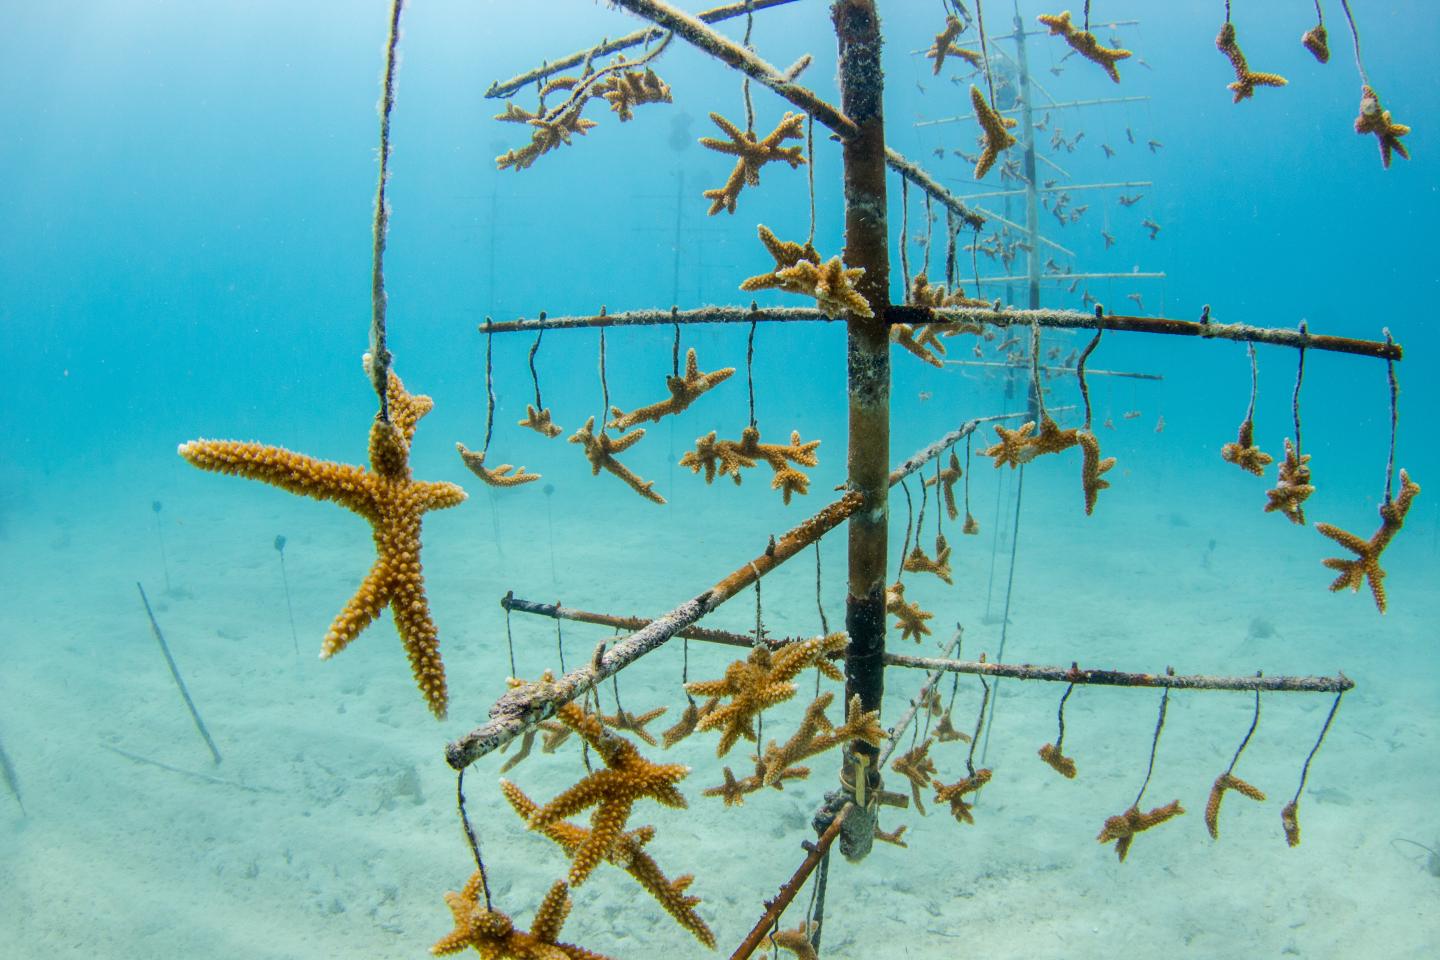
[[941, 500]]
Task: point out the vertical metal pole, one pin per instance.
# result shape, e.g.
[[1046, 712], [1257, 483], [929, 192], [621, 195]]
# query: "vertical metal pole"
[[857, 28], [1032, 200]]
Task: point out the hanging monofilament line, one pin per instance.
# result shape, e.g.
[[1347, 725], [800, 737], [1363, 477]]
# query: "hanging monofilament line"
[[1295, 396], [1080, 368], [175, 675], [285, 582], [1290, 815], [379, 366], [489, 432], [534, 375], [1254, 722], [7, 770], [905, 239], [985, 52], [1154, 742], [559, 643], [810, 173], [750, 369], [604, 383], [1355, 34], [470, 835], [909, 526], [1009, 592], [509, 637], [157, 506], [1394, 422], [929, 235]]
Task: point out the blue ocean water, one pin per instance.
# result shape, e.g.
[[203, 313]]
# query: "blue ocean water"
[[189, 203]]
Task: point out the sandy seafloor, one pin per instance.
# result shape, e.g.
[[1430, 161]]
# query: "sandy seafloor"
[[334, 830]]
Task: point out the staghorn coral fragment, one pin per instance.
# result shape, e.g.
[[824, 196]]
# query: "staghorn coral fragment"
[[997, 132], [1293, 487], [1084, 43], [1246, 80], [971, 527], [916, 766], [526, 743], [831, 283], [1226, 781], [1366, 565], [1290, 820], [752, 154], [1123, 828], [498, 477], [687, 722], [785, 253], [1013, 446], [627, 722], [540, 422], [955, 793], [903, 335], [630, 88], [1024, 444], [1317, 41], [909, 617], [1061, 764], [493, 934], [729, 457], [547, 135], [944, 47], [1374, 118], [798, 269], [1092, 469], [601, 450], [946, 479], [894, 837], [390, 499], [683, 392], [555, 734], [816, 735], [919, 562], [628, 854], [797, 941], [733, 791], [627, 777], [945, 731], [1243, 452], [759, 681]]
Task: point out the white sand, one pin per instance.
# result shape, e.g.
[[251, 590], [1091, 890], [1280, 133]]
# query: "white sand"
[[334, 832]]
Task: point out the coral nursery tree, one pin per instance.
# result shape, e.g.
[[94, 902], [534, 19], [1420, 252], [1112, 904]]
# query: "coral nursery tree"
[[854, 289]]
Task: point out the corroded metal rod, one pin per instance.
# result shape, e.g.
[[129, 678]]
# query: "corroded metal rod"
[[1080, 320], [572, 614], [925, 182], [921, 698], [1116, 678], [657, 318], [867, 246], [815, 853], [924, 455], [1014, 671], [693, 31], [1061, 277], [525, 706], [1004, 317], [843, 124], [607, 47], [1051, 369]]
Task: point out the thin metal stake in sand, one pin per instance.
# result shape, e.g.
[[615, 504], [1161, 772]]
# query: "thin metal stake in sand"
[[285, 579], [11, 781], [175, 673]]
